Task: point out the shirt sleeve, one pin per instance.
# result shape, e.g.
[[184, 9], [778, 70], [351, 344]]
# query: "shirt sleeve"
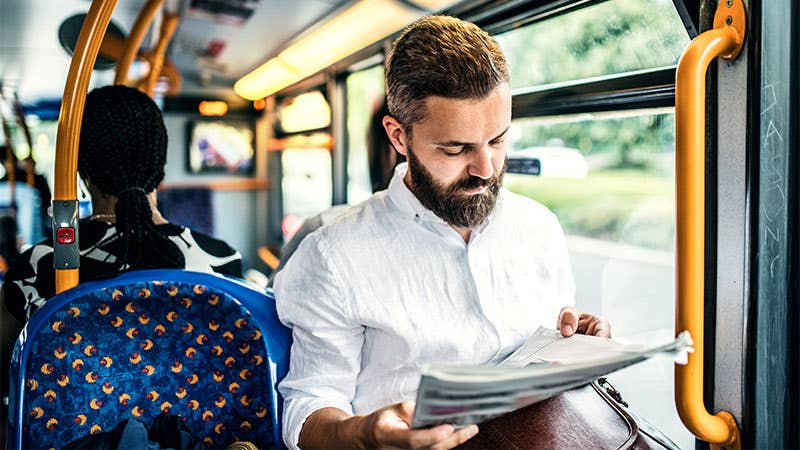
[[326, 349]]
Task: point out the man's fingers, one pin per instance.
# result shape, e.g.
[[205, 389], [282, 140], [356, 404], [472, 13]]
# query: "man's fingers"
[[422, 438], [599, 326], [589, 329], [457, 438], [568, 321], [391, 429], [439, 437], [583, 324], [602, 328], [392, 424], [406, 410]]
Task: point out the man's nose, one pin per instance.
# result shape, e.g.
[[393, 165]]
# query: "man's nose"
[[481, 165]]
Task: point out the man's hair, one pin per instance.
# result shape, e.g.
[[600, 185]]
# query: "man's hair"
[[122, 152], [441, 56]]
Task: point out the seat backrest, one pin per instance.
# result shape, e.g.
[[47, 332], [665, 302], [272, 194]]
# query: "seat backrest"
[[207, 348]]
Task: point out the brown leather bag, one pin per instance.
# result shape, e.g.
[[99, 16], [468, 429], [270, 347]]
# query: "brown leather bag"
[[592, 416]]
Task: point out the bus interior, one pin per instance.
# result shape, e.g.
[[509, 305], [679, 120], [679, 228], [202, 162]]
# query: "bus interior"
[[268, 107]]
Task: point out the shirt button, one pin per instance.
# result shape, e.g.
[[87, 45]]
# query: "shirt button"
[[417, 218]]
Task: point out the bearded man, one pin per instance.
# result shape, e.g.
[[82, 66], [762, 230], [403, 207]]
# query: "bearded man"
[[443, 267]]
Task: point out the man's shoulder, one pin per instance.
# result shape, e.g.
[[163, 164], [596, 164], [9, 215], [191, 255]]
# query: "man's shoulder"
[[364, 222], [354, 221]]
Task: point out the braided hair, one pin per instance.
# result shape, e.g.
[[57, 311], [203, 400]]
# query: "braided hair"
[[122, 152]]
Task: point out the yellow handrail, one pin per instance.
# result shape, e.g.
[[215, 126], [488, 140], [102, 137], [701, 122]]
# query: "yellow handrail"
[[20, 115], [134, 39], [168, 27], [724, 40], [112, 46], [11, 159], [268, 258], [29, 163], [71, 114]]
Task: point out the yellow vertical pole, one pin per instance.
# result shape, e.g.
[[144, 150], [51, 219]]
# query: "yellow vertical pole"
[[724, 40], [71, 114]]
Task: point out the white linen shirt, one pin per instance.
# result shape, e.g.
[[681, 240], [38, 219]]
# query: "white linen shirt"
[[389, 287]]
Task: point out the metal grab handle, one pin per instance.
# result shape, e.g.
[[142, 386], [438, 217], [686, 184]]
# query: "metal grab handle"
[[29, 170], [725, 40], [168, 27], [71, 115], [134, 40]]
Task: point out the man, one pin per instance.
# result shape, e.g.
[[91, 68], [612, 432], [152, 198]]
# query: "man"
[[443, 267]]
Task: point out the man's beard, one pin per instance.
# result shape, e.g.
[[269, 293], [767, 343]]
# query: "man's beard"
[[450, 203]]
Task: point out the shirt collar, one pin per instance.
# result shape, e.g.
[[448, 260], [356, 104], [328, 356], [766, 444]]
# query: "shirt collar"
[[408, 203], [405, 200]]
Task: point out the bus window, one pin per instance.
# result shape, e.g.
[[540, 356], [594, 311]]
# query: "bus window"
[[607, 174], [608, 38], [306, 182], [43, 134], [609, 178], [364, 94], [307, 185]]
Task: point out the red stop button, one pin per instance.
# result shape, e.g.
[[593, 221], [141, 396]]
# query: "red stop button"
[[65, 235]]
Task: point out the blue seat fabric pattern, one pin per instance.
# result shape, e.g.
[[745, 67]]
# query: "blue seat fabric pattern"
[[136, 350]]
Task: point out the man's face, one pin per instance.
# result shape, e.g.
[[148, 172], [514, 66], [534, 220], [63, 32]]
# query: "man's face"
[[457, 155]]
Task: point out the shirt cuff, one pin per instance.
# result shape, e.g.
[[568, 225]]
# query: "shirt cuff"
[[297, 411]]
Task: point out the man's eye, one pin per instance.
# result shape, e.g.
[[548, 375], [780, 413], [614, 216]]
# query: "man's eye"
[[497, 142], [452, 151]]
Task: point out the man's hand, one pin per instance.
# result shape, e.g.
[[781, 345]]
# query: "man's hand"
[[389, 428], [570, 321], [385, 428]]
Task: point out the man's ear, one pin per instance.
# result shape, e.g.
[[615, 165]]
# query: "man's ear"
[[396, 133]]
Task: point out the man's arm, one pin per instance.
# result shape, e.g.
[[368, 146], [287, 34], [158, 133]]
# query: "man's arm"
[[325, 361], [325, 357], [387, 427]]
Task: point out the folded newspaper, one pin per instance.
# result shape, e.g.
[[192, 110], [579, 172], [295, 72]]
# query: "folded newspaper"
[[544, 365]]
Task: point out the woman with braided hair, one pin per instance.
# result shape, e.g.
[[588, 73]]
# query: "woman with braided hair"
[[121, 158]]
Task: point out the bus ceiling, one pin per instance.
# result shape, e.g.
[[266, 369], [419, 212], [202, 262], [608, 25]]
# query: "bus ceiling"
[[212, 49]]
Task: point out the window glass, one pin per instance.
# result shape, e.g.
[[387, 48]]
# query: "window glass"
[[43, 135], [609, 178], [364, 97], [307, 185], [607, 38]]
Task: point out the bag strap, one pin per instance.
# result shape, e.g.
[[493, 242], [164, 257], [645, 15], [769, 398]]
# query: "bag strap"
[[613, 396], [633, 428]]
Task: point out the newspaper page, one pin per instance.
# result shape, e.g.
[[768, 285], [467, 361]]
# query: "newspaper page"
[[544, 365]]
